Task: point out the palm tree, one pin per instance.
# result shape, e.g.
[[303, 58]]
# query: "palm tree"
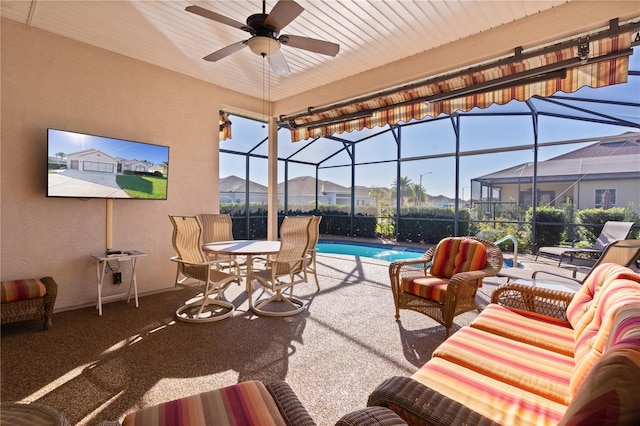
[[377, 195], [420, 195], [406, 190]]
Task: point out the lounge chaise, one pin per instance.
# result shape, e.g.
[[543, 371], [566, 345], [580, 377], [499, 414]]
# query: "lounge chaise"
[[611, 231]]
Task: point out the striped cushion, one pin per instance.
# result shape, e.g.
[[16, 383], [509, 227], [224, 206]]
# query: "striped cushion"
[[499, 401], [579, 311], [529, 327], [609, 394], [432, 288], [244, 404], [21, 290], [613, 315], [453, 255], [518, 364]]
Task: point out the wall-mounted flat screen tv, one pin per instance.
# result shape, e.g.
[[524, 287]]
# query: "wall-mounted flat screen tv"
[[87, 166]]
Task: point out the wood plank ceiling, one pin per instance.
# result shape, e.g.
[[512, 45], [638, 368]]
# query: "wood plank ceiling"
[[370, 34]]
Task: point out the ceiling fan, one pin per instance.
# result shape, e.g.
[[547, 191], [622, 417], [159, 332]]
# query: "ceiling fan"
[[265, 37]]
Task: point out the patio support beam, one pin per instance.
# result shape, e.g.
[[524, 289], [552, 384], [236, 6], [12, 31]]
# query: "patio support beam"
[[398, 138], [353, 190], [272, 181], [455, 121]]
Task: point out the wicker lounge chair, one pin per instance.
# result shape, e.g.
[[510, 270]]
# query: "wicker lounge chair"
[[611, 231], [438, 285]]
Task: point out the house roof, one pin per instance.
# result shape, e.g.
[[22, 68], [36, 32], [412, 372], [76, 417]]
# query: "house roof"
[[236, 184], [306, 186], [616, 159], [90, 151], [628, 144]]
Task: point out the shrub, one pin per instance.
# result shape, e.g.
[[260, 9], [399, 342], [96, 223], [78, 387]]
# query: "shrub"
[[550, 226]]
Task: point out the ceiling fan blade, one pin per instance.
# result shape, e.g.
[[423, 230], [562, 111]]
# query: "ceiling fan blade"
[[310, 44], [282, 14], [217, 17], [278, 63], [225, 51]]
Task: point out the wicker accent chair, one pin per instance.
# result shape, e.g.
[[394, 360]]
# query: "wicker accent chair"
[[286, 269], [27, 306], [193, 263], [443, 282]]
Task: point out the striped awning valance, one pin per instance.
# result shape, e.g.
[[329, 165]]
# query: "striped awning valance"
[[595, 63], [225, 126]]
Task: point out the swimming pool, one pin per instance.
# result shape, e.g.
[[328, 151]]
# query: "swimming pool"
[[380, 252], [364, 250]]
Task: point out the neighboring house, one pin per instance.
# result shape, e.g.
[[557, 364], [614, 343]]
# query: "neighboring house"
[[92, 160], [302, 190], [604, 174], [134, 166], [233, 190]]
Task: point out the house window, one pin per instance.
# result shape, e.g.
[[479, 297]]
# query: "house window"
[[605, 198], [546, 198]]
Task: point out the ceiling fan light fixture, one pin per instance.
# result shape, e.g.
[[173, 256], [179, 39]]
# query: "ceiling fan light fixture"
[[263, 46]]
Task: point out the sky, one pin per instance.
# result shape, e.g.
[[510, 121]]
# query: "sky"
[[70, 142]]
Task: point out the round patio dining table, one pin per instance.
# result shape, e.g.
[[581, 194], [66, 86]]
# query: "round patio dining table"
[[248, 248]]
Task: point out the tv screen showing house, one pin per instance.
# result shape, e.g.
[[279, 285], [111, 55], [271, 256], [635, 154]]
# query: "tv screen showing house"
[[87, 166]]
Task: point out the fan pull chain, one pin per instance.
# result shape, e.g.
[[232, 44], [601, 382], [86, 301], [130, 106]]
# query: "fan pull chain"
[[264, 118]]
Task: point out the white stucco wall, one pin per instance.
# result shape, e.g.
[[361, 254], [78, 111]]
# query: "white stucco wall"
[[51, 81]]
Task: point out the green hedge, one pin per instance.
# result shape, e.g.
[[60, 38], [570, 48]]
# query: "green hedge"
[[430, 224], [550, 227]]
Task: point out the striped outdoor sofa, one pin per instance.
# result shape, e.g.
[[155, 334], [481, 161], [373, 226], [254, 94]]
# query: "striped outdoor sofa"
[[534, 357]]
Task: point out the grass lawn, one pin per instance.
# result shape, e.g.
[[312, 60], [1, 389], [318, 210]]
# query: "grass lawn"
[[151, 187]]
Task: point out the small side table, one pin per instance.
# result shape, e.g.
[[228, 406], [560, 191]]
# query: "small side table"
[[101, 266]]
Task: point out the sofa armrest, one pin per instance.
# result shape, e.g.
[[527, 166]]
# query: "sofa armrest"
[[289, 405], [420, 405], [371, 416], [552, 303]]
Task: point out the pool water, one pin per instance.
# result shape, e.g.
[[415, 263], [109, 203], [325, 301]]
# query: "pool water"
[[381, 252], [374, 252]]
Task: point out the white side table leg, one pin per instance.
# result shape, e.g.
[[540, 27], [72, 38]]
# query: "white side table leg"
[[133, 282], [101, 266]]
